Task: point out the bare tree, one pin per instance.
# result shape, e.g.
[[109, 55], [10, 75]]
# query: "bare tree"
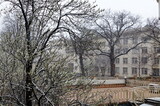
[[48, 76], [114, 27], [41, 22], [82, 43], [152, 30]]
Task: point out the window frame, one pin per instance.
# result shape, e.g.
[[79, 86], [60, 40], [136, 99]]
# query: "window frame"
[[125, 60], [144, 50], [125, 70], [144, 60], [144, 71], [134, 70], [134, 60]]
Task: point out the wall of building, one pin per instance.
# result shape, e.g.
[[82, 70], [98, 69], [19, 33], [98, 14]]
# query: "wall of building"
[[139, 62]]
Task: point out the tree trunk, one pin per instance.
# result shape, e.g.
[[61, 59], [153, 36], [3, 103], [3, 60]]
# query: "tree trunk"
[[112, 60], [28, 66], [28, 83], [112, 64], [39, 102], [81, 64], [139, 68]]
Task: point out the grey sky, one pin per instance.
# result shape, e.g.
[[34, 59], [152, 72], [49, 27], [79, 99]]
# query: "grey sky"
[[144, 8]]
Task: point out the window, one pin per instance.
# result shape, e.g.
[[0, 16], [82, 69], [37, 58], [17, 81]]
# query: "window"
[[135, 51], [144, 39], [157, 49], [144, 50], [144, 71], [125, 50], [134, 60], [125, 60], [117, 60], [103, 70], [125, 70], [125, 41], [135, 40], [156, 72], [144, 60], [134, 70], [96, 69], [156, 60], [117, 70]]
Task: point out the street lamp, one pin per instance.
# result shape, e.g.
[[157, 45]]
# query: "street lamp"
[[158, 1], [125, 80]]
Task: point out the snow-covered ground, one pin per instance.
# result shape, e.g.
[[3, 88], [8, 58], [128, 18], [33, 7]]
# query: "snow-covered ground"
[[96, 82]]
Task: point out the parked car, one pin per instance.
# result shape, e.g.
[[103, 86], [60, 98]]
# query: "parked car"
[[151, 102]]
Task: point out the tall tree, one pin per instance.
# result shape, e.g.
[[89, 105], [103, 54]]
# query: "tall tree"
[[48, 73], [152, 31], [113, 27], [82, 43], [41, 20]]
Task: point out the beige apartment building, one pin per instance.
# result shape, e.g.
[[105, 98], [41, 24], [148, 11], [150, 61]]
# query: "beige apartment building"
[[142, 61]]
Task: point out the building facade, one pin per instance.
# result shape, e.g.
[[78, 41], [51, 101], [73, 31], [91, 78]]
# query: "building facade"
[[141, 61]]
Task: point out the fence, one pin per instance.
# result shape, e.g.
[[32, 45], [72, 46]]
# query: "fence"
[[126, 94], [137, 90], [139, 83], [114, 95]]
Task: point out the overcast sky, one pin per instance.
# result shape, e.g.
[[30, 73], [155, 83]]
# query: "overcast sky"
[[144, 8]]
